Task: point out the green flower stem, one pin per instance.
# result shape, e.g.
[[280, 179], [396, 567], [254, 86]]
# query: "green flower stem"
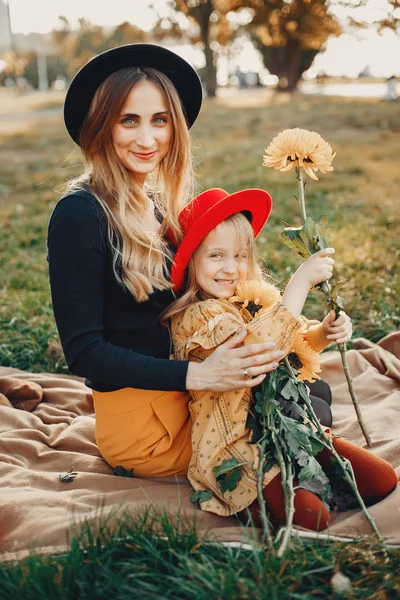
[[261, 501], [287, 482], [342, 349], [302, 200], [343, 356], [326, 290], [344, 464]]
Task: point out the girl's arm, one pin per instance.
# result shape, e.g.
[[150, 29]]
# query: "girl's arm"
[[316, 269], [330, 330]]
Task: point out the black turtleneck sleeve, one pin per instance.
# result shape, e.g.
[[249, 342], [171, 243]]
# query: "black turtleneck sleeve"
[[107, 336]]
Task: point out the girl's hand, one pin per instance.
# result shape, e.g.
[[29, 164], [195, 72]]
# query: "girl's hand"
[[337, 330], [317, 268], [231, 367]]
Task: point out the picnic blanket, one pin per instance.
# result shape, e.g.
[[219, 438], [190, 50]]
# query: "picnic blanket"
[[38, 511]]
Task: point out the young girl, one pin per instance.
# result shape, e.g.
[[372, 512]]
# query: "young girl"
[[216, 272]]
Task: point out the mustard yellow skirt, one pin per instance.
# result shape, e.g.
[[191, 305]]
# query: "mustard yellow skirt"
[[147, 430]]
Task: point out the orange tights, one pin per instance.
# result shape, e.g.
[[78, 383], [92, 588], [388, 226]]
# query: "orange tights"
[[375, 479]]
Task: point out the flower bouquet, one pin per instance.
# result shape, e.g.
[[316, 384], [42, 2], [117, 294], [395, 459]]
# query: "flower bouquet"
[[306, 151], [284, 425]]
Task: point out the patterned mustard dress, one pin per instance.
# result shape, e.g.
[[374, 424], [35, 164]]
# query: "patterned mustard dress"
[[219, 429]]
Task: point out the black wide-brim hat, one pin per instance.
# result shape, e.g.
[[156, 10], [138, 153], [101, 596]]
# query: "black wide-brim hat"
[[87, 80]]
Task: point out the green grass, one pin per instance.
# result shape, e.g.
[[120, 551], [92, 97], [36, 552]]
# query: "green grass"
[[153, 556], [361, 199]]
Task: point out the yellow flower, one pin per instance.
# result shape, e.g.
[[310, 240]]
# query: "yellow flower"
[[309, 358], [260, 293], [299, 148]]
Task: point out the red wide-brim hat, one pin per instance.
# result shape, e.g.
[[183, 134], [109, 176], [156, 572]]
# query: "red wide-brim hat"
[[208, 210]]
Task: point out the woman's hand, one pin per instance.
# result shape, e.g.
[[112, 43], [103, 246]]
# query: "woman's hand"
[[231, 367], [337, 330]]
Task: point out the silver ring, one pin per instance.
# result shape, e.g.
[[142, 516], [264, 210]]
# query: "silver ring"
[[246, 373]]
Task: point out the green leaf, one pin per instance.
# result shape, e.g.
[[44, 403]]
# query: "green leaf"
[[228, 474], [316, 445], [289, 390], [297, 435], [310, 470], [311, 477], [317, 233], [201, 496], [227, 465], [340, 302], [122, 472], [302, 458], [255, 426], [270, 462], [229, 481], [303, 391], [267, 396], [68, 477], [318, 485], [337, 301], [292, 238]]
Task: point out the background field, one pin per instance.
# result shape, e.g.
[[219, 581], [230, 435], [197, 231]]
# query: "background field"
[[360, 197]]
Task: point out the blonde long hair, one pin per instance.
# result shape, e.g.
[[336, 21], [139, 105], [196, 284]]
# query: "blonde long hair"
[[140, 254], [243, 232]]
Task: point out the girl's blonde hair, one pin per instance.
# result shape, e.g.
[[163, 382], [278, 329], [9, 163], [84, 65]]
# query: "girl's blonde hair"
[[140, 252], [243, 232]]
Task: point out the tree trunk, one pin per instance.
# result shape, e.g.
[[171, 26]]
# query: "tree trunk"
[[211, 72], [288, 63], [202, 14]]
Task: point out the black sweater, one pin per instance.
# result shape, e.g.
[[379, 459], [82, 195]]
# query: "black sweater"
[[107, 336]]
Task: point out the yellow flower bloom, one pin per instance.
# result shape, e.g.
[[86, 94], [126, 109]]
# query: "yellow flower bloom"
[[260, 293], [299, 148], [309, 358]]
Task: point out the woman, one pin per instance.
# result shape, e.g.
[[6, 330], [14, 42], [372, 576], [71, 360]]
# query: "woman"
[[130, 110]]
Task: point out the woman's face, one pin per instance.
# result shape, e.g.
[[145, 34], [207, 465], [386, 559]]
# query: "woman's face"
[[142, 134], [220, 262]]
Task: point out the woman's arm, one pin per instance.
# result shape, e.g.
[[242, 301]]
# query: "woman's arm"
[[214, 336], [223, 369]]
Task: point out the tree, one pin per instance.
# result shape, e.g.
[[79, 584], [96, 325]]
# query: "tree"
[[289, 34], [77, 47], [15, 65], [207, 25]]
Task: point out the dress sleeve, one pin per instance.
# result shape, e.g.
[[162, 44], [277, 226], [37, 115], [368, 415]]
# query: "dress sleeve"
[[204, 325], [78, 262], [274, 324], [313, 333]]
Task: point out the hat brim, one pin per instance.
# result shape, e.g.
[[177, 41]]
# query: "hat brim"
[[258, 203], [88, 79]]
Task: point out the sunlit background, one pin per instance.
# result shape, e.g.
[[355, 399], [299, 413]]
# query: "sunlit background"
[[363, 46], [330, 66]]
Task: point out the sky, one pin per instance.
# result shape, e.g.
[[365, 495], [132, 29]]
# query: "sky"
[[346, 55]]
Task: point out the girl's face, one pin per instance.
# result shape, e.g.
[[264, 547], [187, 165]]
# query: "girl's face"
[[142, 134], [220, 262]]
